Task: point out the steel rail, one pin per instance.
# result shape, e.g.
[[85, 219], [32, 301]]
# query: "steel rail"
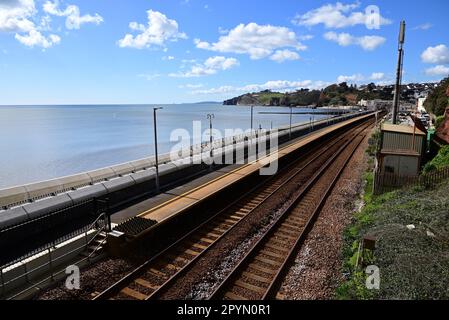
[[131, 277], [254, 250]]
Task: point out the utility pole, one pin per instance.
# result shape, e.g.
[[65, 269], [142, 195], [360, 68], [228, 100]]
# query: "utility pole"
[[155, 148], [397, 90]]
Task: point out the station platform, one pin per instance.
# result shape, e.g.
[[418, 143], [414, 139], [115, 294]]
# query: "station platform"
[[173, 202]]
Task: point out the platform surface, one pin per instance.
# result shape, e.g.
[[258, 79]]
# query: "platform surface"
[[169, 204]]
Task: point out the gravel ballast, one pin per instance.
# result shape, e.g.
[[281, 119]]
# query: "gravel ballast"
[[316, 272]]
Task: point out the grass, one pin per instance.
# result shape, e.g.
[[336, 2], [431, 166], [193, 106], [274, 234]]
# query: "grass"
[[413, 262], [439, 121], [440, 161]]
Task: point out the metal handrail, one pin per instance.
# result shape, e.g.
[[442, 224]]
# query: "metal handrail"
[[51, 261], [55, 241]]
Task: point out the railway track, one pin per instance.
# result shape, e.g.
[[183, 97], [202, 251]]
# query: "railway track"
[[151, 280], [260, 273]]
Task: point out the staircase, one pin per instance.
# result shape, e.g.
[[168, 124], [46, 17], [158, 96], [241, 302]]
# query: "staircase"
[[96, 246]]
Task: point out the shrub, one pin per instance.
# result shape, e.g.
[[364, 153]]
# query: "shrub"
[[440, 161], [439, 121]]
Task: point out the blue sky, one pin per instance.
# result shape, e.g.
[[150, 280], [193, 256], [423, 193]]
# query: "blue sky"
[[174, 51]]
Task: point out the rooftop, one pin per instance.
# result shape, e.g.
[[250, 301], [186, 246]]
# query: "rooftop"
[[402, 129]]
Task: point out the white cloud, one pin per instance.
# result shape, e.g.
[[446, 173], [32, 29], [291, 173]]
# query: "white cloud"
[[377, 76], [74, 19], [353, 78], [222, 31], [438, 54], [387, 82], [22, 18], [159, 30], [336, 16], [211, 66], [169, 58], [220, 62], [306, 37], [15, 15], [149, 77], [368, 43], [425, 26], [191, 86], [439, 70], [277, 85], [35, 38], [258, 41], [284, 55]]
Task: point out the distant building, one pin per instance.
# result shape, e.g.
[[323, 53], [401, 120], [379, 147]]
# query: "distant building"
[[407, 107], [401, 150], [373, 105]]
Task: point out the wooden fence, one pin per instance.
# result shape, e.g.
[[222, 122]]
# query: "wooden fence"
[[386, 182]]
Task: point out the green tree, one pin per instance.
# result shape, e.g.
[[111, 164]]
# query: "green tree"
[[437, 101]]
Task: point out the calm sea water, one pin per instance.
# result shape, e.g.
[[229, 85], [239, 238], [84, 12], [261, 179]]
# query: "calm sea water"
[[44, 142]]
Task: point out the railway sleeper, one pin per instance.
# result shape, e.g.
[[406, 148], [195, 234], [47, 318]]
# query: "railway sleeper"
[[219, 228], [234, 296], [251, 287], [273, 263], [290, 227], [276, 246], [256, 277], [260, 268], [282, 234], [177, 258], [146, 284], [133, 294], [272, 254], [204, 239]]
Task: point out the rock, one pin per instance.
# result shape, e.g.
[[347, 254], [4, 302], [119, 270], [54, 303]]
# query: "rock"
[[430, 234], [411, 227]]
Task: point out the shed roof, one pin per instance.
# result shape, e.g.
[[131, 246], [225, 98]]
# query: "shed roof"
[[401, 129]]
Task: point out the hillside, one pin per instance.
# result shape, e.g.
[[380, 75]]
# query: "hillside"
[[336, 94], [437, 101]]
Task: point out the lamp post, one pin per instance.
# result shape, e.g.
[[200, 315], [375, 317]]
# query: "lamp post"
[[290, 131], [252, 118], [210, 117], [313, 119], [155, 148]]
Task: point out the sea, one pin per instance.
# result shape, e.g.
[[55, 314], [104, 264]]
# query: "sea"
[[44, 142]]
